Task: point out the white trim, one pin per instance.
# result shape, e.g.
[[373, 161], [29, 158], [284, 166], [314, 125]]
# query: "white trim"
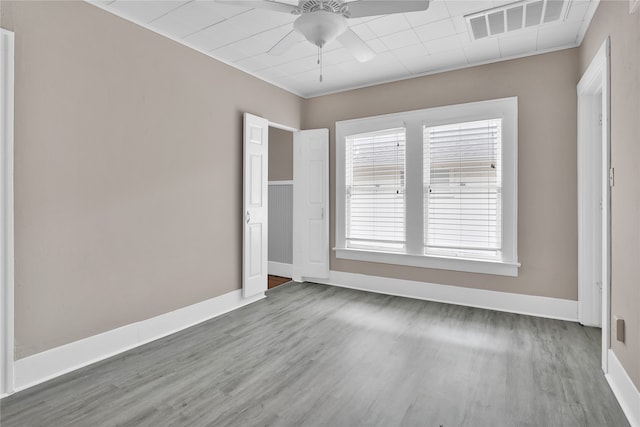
[[106, 8], [282, 127], [531, 305], [593, 95], [427, 261], [52, 363], [315, 94], [311, 254], [506, 108], [591, 11], [6, 213], [280, 269], [447, 69], [634, 5], [453, 68], [281, 182], [623, 388]]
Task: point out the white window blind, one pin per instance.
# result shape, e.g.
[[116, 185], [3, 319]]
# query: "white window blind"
[[375, 189], [462, 200]]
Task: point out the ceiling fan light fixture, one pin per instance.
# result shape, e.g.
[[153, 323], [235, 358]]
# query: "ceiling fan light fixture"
[[320, 27]]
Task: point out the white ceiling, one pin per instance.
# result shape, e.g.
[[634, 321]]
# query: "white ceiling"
[[407, 45]]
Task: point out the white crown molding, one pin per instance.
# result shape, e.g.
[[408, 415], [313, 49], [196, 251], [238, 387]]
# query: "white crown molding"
[[591, 11], [106, 8], [440, 70], [310, 95]]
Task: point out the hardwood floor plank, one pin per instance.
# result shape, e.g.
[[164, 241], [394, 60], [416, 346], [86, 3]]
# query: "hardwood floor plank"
[[315, 355], [276, 281]]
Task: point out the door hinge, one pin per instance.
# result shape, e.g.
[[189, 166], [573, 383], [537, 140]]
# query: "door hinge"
[[600, 120], [611, 177]]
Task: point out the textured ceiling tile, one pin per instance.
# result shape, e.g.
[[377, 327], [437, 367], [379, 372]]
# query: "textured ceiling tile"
[[482, 50], [388, 24], [465, 7], [518, 43], [401, 39], [437, 11], [144, 11], [436, 30], [411, 51], [443, 44], [405, 44], [558, 35]]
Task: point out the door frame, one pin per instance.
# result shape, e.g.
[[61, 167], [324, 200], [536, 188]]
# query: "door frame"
[[265, 189], [296, 261], [593, 92], [6, 213], [289, 271], [282, 127]]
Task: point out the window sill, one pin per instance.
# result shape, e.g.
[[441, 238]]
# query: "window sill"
[[500, 268]]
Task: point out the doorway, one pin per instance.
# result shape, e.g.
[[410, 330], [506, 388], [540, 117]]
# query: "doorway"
[[310, 219], [594, 201], [280, 254]]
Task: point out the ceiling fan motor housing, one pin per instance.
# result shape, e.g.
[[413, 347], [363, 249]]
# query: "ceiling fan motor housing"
[[328, 5], [320, 27]]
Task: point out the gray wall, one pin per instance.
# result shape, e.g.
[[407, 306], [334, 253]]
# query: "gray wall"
[[128, 169], [280, 155], [128, 173], [613, 19], [281, 223], [547, 232]]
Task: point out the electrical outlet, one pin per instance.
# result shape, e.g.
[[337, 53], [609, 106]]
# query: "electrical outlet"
[[619, 328]]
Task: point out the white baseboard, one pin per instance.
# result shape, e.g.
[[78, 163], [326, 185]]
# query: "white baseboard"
[[280, 269], [553, 308], [625, 391], [52, 363]]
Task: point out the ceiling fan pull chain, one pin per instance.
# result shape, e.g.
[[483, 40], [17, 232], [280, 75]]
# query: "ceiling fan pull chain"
[[320, 65], [320, 61]]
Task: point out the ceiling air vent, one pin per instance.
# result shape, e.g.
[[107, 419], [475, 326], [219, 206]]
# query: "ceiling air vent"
[[516, 16]]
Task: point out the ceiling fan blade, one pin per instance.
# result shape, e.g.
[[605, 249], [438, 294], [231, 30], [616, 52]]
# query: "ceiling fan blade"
[[362, 8], [263, 4], [286, 43], [356, 46]]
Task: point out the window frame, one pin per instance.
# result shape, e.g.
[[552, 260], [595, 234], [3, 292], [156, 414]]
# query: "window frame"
[[413, 122]]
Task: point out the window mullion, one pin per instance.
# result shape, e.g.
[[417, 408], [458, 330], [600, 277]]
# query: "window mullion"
[[414, 188]]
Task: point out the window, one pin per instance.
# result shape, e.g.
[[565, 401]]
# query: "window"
[[462, 199], [433, 188], [375, 189]]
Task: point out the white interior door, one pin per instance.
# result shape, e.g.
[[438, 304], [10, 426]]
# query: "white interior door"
[[311, 204], [255, 212]]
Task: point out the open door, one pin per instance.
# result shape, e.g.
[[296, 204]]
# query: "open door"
[[255, 205], [311, 204]]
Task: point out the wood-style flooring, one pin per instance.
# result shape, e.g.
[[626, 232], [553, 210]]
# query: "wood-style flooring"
[[315, 355], [277, 281]]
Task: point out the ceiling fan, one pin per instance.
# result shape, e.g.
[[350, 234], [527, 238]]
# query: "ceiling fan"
[[322, 21]]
